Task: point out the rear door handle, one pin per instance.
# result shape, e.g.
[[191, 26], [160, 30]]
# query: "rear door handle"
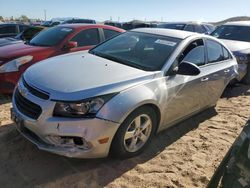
[[226, 71], [205, 79]]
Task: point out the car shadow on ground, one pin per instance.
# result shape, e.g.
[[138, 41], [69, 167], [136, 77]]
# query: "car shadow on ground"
[[23, 165], [236, 90], [5, 99]]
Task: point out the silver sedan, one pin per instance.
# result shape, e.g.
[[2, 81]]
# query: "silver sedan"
[[115, 97]]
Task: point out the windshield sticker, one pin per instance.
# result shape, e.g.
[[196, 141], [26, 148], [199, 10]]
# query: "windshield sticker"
[[66, 29], [165, 42]]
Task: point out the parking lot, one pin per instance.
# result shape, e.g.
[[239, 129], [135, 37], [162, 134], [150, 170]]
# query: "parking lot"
[[183, 156]]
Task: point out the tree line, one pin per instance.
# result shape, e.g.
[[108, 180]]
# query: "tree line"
[[22, 18]]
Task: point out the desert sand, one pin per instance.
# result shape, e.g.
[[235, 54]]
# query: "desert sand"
[[185, 155]]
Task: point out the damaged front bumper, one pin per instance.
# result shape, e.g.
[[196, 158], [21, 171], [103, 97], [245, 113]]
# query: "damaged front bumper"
[[77, 138], [242, 71]]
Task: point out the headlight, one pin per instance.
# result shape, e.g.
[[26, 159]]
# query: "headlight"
[[86, 108], [13, 66]]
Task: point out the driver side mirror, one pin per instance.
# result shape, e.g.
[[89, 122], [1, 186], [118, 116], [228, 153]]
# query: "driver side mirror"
[[187, 68], [70, 45]]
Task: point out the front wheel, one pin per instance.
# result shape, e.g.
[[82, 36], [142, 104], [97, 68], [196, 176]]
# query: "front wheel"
[[134, 133]]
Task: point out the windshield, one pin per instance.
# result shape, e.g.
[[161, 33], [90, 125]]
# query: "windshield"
[[51, 37], [239, 33], [172, 26], [140, 50]]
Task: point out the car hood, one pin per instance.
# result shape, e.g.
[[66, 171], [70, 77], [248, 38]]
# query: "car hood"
[[237, 46], [81, 75], [19, 49], [8, 41]]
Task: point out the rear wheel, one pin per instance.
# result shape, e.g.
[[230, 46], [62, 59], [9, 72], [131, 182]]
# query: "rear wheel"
[[134, 133]]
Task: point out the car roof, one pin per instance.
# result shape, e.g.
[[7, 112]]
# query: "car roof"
[[166, 32], [80, 25], [79, 19], [3, 24], [239, 23], [191, 22]]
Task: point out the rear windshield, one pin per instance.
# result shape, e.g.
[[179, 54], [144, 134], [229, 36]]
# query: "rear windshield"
[[79, 21], [51, 37], [144, 51], [239, 33], [172, 26]]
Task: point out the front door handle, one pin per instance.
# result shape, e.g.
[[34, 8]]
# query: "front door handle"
[[205, 79]]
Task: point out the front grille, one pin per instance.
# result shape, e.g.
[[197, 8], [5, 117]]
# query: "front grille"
[[27, 107], [36, 92], [31, 135]]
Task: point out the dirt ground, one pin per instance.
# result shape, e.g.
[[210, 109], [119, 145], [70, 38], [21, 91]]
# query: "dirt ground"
[[186, 155]]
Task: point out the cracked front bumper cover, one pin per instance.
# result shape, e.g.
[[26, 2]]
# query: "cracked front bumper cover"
[[92, 130]]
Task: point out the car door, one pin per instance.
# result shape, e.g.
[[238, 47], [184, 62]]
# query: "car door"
[[217, 71], [184, 93], [86, 39]]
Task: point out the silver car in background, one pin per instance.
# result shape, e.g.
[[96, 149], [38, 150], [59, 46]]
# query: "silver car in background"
[[115, 97], [236, 36]]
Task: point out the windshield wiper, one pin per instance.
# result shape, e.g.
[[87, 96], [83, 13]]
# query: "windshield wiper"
[[106, 56], [112, 58]]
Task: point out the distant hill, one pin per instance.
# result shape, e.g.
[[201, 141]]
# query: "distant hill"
[[233, 19]]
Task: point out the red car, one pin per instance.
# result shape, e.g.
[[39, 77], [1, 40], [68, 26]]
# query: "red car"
[[16, 58]]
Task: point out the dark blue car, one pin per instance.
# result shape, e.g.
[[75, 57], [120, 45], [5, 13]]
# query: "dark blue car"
[[11, 29]]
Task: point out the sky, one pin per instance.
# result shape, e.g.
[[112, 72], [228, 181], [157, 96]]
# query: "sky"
[[126, 10]]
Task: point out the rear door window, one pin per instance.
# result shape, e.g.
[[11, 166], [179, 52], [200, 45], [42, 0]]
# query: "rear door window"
[[88, 37], [199, 29], [215, 52], [189, 28], [109, 33]]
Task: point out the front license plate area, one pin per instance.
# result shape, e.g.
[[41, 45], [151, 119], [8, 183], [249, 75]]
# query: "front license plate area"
[[17, 120]]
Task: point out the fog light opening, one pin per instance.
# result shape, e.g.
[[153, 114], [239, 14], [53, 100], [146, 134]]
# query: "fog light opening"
[[69, 141], [78, 141], [81, 143]]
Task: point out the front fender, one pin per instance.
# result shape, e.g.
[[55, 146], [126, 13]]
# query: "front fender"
[[118, 108]]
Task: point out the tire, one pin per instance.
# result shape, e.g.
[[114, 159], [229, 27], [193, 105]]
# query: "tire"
[[246, 78], [121, 147]]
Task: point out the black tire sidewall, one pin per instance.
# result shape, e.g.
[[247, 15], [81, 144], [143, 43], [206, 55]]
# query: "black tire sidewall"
[[246, 78], [117, 146]]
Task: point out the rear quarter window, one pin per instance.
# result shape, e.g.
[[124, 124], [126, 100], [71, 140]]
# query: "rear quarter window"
[[226, 54]]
